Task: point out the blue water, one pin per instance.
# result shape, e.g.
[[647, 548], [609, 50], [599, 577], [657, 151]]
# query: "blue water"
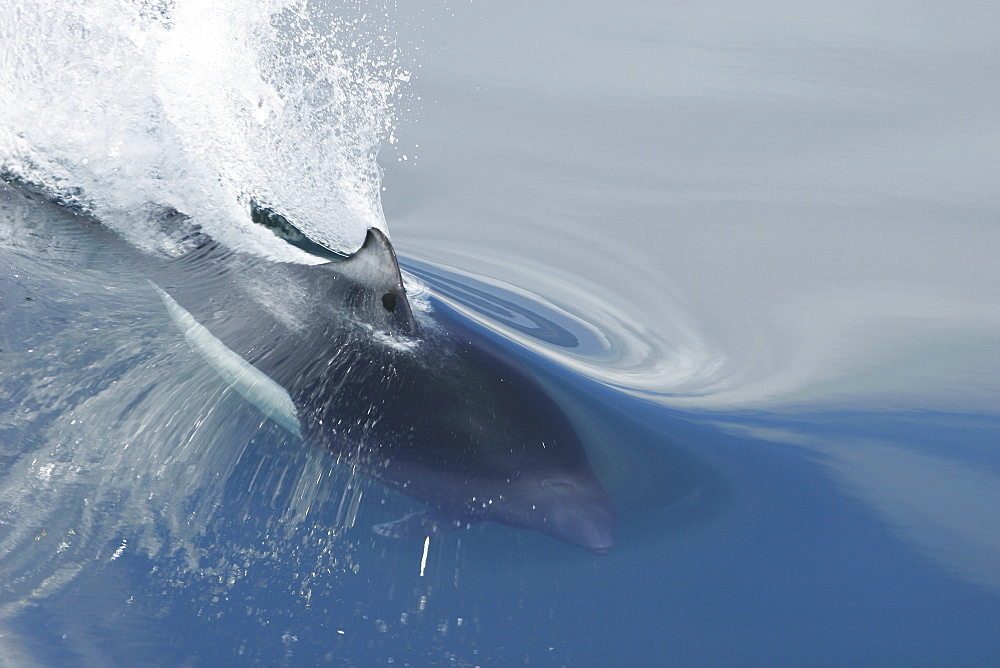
[[749, 250]]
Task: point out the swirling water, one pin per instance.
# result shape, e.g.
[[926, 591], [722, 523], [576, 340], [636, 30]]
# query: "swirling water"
[[750, 249]]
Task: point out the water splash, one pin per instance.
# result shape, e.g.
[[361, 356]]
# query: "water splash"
[[129, 108]]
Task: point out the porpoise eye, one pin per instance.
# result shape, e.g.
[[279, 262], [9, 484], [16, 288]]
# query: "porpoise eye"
[[389, 302]]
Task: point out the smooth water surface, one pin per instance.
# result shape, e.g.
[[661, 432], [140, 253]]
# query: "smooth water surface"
[[750, 250]]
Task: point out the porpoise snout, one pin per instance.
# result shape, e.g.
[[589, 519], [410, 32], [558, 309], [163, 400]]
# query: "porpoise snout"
[[592, 526]]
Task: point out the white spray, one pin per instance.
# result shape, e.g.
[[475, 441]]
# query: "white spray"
[[130, 108]]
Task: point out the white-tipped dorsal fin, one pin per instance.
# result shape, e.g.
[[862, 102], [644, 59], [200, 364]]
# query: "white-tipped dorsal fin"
[[251, 383]]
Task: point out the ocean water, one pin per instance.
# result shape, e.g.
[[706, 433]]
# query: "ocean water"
[[749, 249]]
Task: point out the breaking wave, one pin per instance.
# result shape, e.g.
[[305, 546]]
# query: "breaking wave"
[[133, 108]]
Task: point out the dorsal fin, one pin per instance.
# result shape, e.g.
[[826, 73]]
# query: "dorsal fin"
[[375, 269]]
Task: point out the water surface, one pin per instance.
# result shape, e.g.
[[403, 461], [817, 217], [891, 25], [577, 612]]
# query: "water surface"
[[749, 249]]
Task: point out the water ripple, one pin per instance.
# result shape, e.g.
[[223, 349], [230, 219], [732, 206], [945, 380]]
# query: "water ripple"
[[592, 337]]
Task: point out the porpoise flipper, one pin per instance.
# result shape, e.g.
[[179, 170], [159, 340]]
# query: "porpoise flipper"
[[252, 384], [420, 525]]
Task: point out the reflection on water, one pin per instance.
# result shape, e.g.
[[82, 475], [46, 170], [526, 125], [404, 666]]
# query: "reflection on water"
[[793, 206], [941, 505]]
